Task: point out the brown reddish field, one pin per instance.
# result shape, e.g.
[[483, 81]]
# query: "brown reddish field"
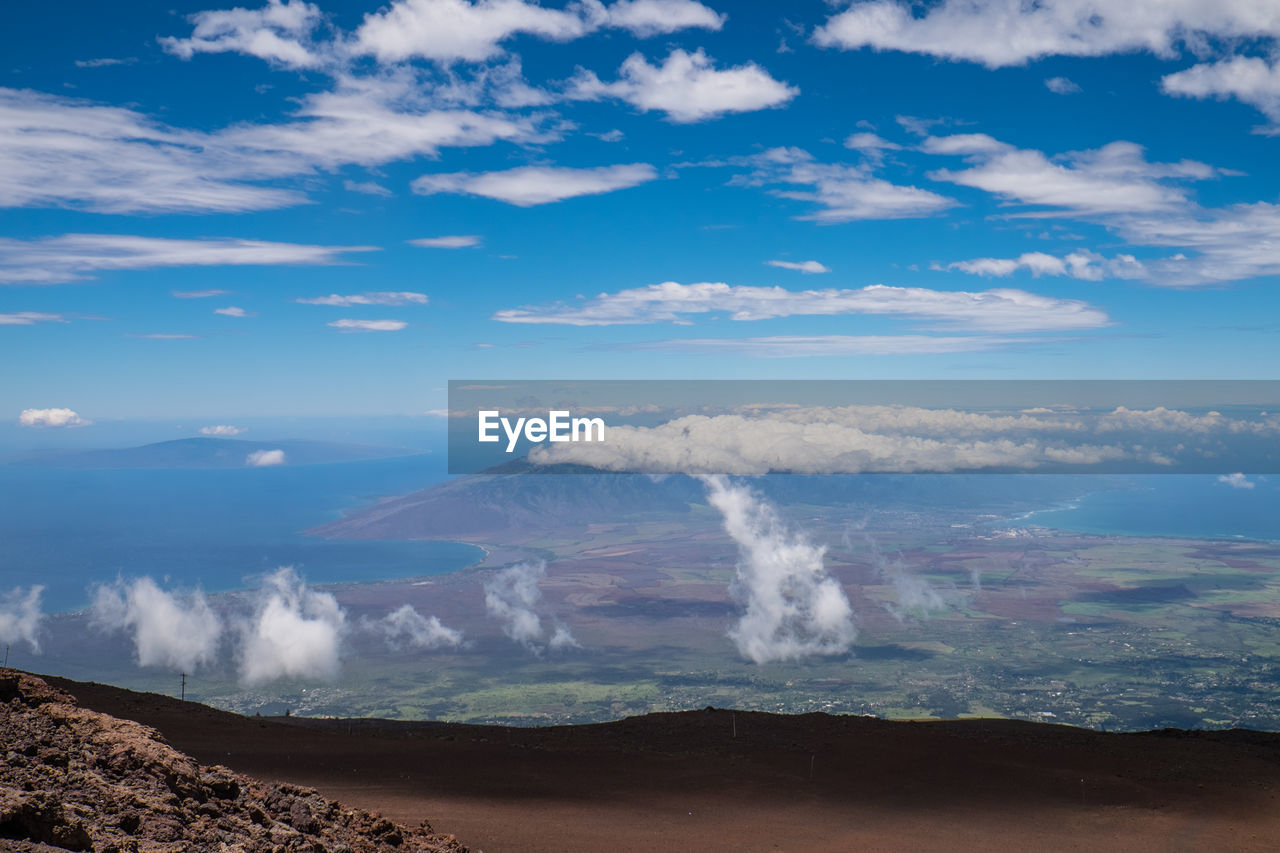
[[687, 781]]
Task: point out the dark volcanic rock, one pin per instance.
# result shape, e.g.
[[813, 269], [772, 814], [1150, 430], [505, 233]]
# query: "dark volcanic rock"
[[74, 779]]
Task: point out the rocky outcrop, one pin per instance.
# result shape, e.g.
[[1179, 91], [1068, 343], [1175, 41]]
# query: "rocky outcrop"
[[74, 779]]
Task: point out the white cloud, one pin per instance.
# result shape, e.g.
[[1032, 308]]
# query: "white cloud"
[[1237, 481], [801, 266], [1084, 265], [348, 325], [295, 632], [265, 458], [222, 430], [532, 185], [76, 257], [451, 30], [381, 297], [512, 595], [1062, 86], [1009, 32], [647, 18], [818, 346], [278, 32], [1249, 79], [844, 193], [181, 633], [163, 336], [687, 87], [105, 62], [1117, 187], [366, 188], [20, 616], [455, 241], [1114, 179], [233, 311], [30, 318], [822, 440], [70, 153], [51, 418], [793, 608], [198, 294], [448, 31], [671, 302], [870, 145], [405, 626]]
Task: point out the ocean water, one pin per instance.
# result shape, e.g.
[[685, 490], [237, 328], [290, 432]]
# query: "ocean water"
[[219, 529], [1183, 506]]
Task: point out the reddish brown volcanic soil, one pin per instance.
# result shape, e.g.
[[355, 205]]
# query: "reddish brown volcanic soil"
[[808, 783]]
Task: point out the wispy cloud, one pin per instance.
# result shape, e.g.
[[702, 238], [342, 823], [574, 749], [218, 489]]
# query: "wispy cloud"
[[381, 297], [199, 294], [31, 318], [233, 311], [457, 241], [366, 188], [348, 325], [671, 302], [800, 266], [76, 257], [533, 185]]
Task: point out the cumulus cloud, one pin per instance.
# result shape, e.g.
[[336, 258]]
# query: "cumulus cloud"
[[843, 193], [264, 458], [457, 241], [532, 185], [278, 32], [51, 418], [20, 616], [801, 266], [792, 607], [1082, 264], [221, 430], [382, 297], [405, 626], [647, 18], [1248, 79], [687, 87], [178, 632], [963, 29], [671, 302], [295, 632], [1237, 481], [348, 325], [512, 596], [448, 31], [78, 257], [1062, 86]]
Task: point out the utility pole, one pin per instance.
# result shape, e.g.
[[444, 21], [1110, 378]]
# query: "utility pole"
[[6, 655], [184, 686]]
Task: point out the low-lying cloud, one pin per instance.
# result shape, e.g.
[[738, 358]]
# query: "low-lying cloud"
[[20, 616], [51, 418], [793, 608], [295, 632], [265, 458], [406, 627], [512, 596], [175, 631]]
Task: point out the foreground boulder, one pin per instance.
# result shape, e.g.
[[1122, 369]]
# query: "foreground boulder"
[[74, 779]]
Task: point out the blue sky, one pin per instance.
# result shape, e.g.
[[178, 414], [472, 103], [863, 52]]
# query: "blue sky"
[[642, 189]]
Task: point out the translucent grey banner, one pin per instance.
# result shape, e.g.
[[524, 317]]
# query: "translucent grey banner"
[[752, 427]]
